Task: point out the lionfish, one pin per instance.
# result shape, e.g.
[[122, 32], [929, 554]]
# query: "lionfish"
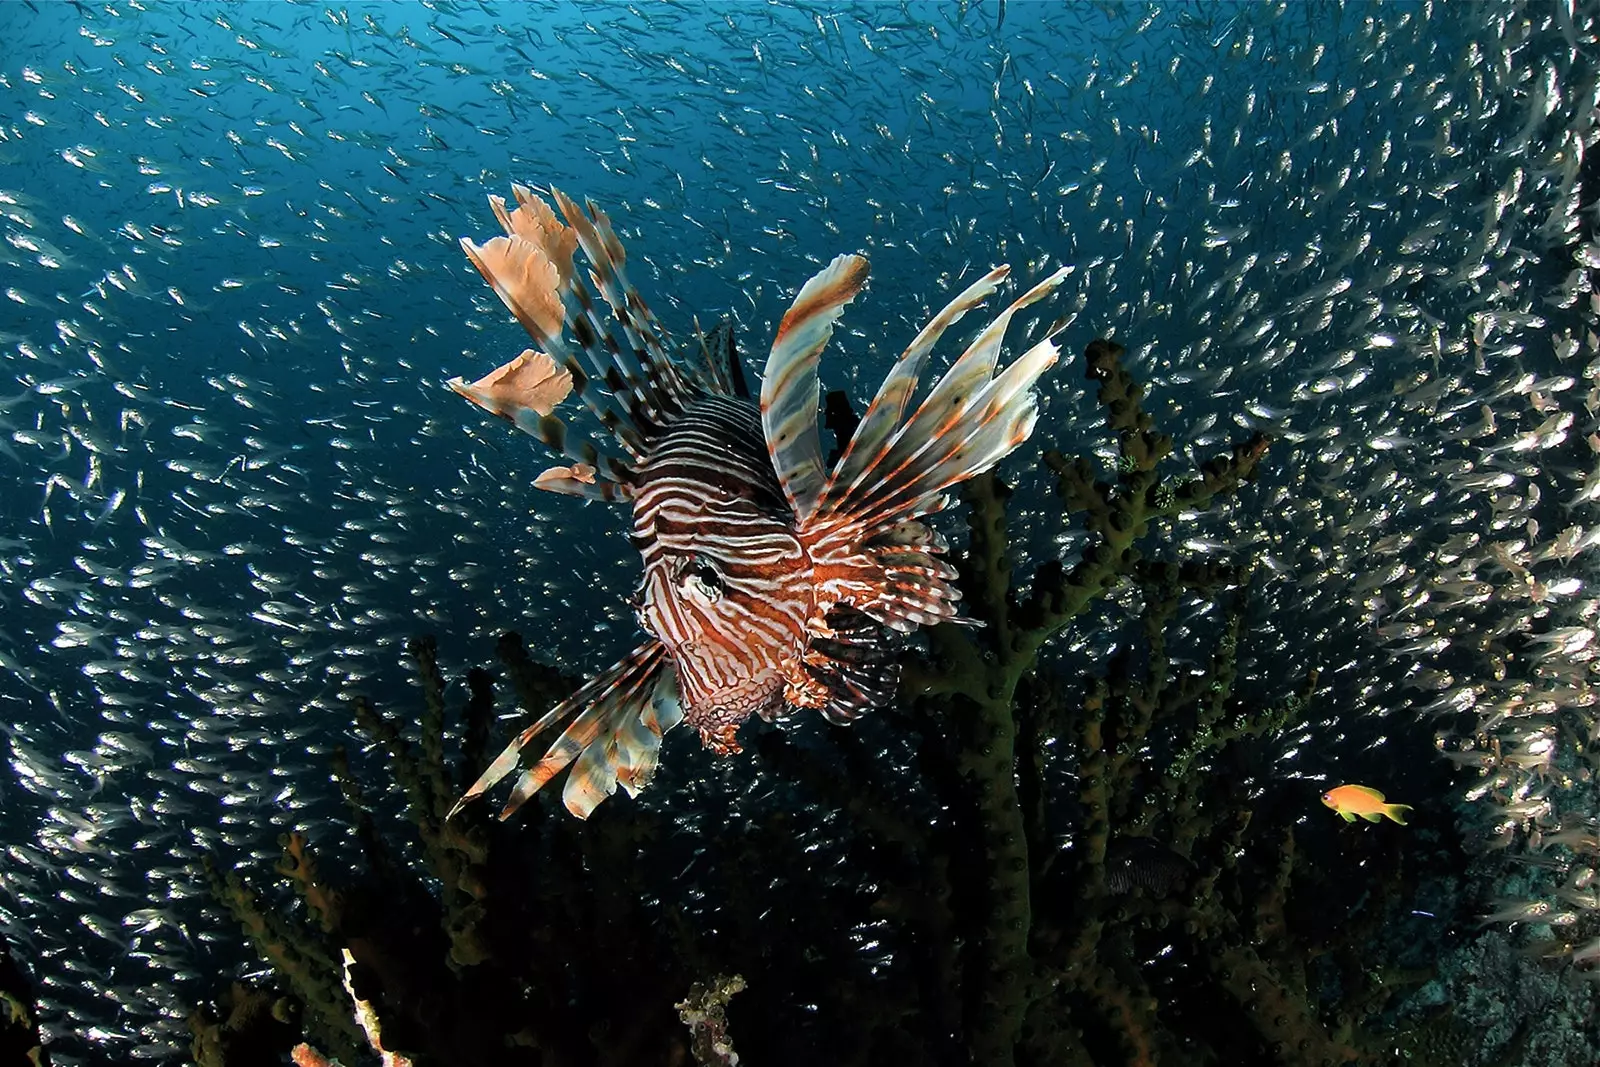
[[769, 581]]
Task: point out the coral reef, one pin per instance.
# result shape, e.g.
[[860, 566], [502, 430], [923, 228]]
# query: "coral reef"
[[450, 977], [1491, 999], [705, 1013], [1028, 861], [1493, 1004], [19, 1016]]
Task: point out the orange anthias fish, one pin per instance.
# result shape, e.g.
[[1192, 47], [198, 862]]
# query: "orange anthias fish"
[[1352, 800], [770, 580]]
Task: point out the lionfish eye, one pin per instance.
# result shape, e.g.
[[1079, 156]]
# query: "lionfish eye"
[[700, 574], [707, 575]]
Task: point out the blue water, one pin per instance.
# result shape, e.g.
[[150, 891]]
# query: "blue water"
[[232, 482]]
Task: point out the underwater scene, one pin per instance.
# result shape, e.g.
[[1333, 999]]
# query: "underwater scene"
[[704, 533]]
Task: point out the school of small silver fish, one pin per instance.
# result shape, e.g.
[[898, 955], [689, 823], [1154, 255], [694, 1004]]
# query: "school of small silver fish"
[[235, 482]]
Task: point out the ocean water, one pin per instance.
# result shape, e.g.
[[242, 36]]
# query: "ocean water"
[[234, 483]]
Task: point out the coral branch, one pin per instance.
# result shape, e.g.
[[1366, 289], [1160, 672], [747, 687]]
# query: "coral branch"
[[705, 1012]]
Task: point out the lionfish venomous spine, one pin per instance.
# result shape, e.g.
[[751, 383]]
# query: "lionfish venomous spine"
[[769, 581]]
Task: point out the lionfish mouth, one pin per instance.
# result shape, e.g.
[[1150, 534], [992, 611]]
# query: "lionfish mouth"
[[719, 737], [718, 721]]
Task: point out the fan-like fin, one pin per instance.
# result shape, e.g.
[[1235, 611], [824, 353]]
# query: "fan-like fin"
[[856, 662], [644, 361], [628, 755], [919, 590], [888, 406], [630, 384], [789, 388], [978, 433], [531, 381], [531, 270], [952, 409], [582, 480], [977, 364], [525, 392], [969, 421], [531, 266], [866, 526], [619, 711]]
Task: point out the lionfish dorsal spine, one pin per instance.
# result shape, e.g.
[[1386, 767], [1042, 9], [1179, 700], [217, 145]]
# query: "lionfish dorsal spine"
[[635, 410], [970, 420], [888, 407], [719, 355], [642, 353], [530, 268], [618, 364], [789, 387]]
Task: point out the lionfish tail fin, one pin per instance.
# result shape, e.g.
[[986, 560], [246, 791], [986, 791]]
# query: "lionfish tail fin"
[[615, 738], [898, 469]]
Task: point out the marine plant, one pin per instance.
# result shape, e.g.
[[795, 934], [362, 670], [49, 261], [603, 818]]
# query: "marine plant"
[[1015, 862]]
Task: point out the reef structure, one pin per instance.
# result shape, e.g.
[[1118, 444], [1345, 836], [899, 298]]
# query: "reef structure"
[[1016, 863], [19, 1015]]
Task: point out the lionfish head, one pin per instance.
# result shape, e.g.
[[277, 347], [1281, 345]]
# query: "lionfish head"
[[727, 585]]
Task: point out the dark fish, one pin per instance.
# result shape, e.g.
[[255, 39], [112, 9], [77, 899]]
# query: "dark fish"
[[1144, 863], [770, 580]]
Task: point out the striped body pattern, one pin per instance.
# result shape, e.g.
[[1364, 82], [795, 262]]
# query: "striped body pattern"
[[770, 581], [727, 583]]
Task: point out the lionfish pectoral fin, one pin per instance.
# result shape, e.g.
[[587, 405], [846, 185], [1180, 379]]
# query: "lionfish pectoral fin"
[[583, 480], [970, 420], [531, 382], [627, 750], [789, 386], [856, 663], [918, 590], [508, 759], [619, 367], [898, 469], [615, 737], [526, 392]]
